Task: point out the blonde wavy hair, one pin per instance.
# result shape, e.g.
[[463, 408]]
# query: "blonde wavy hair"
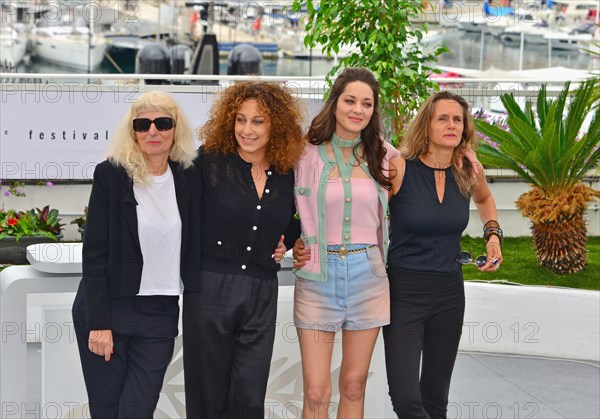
[[285, 140], [414, 144], [124, 149]]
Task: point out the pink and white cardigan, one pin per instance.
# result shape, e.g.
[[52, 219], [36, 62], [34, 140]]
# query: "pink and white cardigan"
[[311, 178]]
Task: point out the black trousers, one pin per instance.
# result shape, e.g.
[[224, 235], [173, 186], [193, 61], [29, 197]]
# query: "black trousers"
[[426, 322], [228, 335], [144, 331]]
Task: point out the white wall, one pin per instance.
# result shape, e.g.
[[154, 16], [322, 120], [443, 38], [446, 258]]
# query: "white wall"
[[70, 200]]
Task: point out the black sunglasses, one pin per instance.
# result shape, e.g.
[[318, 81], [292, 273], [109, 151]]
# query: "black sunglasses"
[[164, 123], [465, 258]]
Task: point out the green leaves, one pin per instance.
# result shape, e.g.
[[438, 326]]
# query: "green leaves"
[[35, 222], [386, 43], [547, 146]]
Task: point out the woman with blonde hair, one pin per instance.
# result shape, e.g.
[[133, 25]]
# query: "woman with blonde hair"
[[429, 211], [135, 254], [243, 180]]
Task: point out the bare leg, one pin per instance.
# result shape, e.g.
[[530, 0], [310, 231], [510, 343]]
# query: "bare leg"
[[357, 348], [316, 347]]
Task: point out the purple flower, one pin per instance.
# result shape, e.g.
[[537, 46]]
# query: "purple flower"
[[6, 193], [49, 184]]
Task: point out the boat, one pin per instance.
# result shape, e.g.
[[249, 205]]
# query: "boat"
[[591, 46], [13, 38], [13, 46], [500, 24], [573, 38], [72, 47], [568, 12], [479, 22], [533, 33], [65, 39], [291, 44]]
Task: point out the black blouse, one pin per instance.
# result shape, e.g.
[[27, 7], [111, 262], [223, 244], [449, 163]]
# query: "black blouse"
[[424, 233], [239, 231]]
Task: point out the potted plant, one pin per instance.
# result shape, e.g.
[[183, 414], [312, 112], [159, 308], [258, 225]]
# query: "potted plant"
[[548, 149], [80, 221], [19, 229]]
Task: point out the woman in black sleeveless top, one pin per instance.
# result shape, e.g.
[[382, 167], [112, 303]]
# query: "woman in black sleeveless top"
[[429, 210]]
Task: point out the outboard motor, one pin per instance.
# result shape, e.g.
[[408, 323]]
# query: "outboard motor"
[[181, 61], [153, 59], [244, 59]]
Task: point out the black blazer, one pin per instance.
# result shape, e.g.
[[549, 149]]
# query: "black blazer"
[[112, 256]]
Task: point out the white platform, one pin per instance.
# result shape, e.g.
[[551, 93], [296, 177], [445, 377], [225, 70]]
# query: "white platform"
[[499, 318]]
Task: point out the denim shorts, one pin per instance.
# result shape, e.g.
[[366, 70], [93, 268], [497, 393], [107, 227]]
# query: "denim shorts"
[[356, 295]]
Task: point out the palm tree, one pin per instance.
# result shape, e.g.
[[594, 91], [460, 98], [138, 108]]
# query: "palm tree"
[[547, 149]]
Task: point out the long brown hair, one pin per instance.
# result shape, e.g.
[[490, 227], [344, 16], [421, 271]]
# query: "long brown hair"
[[286, 142], [414, 144], [322, 127]]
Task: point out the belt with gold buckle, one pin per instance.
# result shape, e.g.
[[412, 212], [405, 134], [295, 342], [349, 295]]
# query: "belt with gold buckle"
[[343, 252]]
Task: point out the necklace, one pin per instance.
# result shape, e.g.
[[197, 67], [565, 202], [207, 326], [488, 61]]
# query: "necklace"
[[345, 143], [436, 166]]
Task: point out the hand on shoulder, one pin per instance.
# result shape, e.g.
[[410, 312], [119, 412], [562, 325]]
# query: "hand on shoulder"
[[397, 169]]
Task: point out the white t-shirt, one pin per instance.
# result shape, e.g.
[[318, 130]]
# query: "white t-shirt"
[[159, 230]]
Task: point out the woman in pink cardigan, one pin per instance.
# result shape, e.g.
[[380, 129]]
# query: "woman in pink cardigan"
[[342, 185]]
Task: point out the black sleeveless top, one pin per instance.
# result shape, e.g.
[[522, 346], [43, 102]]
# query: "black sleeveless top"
[[424, 233]]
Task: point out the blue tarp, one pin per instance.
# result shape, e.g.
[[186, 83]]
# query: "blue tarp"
[[497, 11]]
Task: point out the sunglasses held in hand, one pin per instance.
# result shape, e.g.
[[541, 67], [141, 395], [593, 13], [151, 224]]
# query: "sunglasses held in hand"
[[163, 123], [465, 258]]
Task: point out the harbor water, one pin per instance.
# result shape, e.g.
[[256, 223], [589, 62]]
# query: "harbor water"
[[465, 50]]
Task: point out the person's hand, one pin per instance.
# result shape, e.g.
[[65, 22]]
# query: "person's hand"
[[472, 157], [301, 254], [280, 250], [100, 342], [494, 255]]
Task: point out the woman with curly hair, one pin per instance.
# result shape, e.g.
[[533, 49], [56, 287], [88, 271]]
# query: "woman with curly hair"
[[243, 180]]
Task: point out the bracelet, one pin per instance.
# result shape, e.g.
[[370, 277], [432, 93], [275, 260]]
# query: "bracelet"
[[493, 223], [497, 233], [492, 228]]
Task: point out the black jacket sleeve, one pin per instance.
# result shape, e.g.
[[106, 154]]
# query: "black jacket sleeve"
[[95, 251], [292, 231], [193, 259]]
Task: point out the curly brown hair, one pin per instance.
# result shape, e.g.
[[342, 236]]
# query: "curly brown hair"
[[286, 141], [323, 125]]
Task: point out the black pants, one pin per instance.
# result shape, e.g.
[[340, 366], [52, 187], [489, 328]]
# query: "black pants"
[[426, 320], [144, 331], [228, 335]]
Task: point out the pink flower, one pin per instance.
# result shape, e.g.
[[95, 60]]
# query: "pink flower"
[[49, 184]]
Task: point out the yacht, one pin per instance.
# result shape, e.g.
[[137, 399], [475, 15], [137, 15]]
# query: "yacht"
[[501, 23], [571, 11], [573, 38], [13, 46], [13, 39], [532, 32], [68, 44]]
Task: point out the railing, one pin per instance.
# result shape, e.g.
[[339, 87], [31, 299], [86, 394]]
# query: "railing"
[[480, 92], [24, 120]]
